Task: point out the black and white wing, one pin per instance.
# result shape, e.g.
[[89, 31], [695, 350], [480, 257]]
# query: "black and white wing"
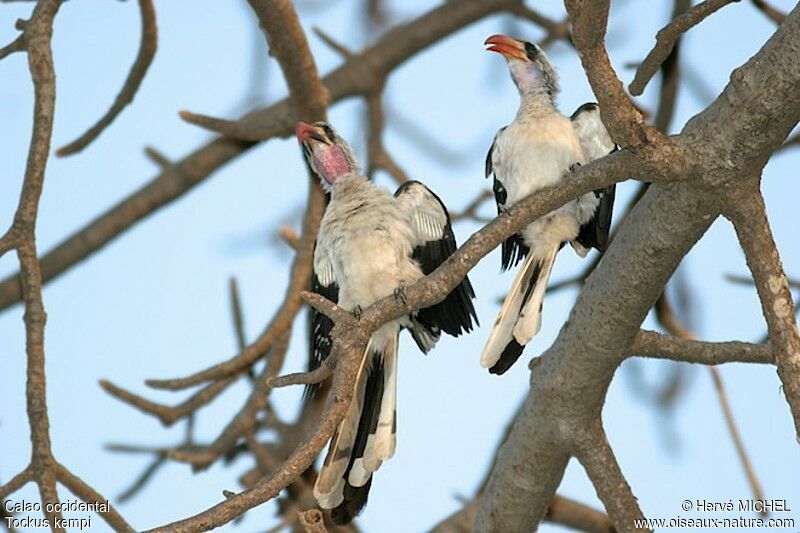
[[595, 143], [323, 282], [435, 242], [513, 248]]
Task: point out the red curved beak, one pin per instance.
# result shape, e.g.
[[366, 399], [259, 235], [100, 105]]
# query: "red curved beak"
[[508, 47], [305, 132]]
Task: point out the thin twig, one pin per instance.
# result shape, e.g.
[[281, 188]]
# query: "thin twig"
[[666, 39], [773, 14], [730, 421], [147, 50]]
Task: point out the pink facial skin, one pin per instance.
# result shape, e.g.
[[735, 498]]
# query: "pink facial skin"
[[331, 163]]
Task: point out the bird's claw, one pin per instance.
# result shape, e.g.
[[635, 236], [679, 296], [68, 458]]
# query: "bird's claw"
[[400, 294], [574, 167], [357, 312]]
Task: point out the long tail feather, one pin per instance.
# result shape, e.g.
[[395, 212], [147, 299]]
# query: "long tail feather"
[[520, 317], [530, 318], [502, 332], [329, 487], [371, 435]]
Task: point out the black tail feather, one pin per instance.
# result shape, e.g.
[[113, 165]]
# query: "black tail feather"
[[513, 350], [509, 356], [355, 498]]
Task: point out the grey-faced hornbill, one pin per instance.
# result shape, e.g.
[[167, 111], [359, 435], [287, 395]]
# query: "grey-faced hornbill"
[[539, 148], [372, 244]]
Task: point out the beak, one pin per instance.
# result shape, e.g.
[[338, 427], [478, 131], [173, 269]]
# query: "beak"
[[305, 132], [508, 47]]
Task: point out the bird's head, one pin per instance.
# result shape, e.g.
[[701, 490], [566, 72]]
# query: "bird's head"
[[529, 66], [327, 153]]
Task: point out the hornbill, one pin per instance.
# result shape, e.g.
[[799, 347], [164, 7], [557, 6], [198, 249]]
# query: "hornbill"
[[372, 244], [540, 147]]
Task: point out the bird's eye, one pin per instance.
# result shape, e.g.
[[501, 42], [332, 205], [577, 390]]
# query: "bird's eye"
[[531, 51]]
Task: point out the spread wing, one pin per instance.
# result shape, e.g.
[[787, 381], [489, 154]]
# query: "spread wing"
[[323, 282], [513, 248], [595, 143], [435, 242]]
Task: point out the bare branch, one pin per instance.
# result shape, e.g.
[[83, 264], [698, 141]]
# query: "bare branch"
[[668, 36], [312, 521], [624, 122], [16, 483], [147, 50], [166, 414], [300, 459], [290, 237], [146, 475], [749, 217], [730, 421], [326, 307], [596, 456], [318, 375], [354, 77], [333, 44], [17, 45], [367, 70], [288, 44], [86, 493], [652, 344], [562, 510], [157, 157], [773, 14]]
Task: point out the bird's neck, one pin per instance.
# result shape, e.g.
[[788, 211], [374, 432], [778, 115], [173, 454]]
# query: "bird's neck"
[[348, 183], [535, 103]]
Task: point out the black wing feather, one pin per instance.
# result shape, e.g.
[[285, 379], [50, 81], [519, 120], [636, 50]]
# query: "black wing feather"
[[319, 343], [454, 314], [594, 234], [513, 248]]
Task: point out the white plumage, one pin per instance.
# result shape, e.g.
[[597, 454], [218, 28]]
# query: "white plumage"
[[371, 245], [540, 148]]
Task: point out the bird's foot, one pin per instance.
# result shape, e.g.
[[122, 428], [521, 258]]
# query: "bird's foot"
[[574, 167], [400, 294], [357, 312]]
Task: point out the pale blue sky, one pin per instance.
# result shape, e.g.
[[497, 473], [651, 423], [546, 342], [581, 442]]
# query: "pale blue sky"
[[154, 302]]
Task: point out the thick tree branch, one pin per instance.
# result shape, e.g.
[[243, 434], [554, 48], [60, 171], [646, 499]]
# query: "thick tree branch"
[[562, 510], [594, 452], [624, 122]]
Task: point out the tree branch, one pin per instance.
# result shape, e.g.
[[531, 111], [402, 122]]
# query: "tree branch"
[[595, 454], [278, 120], [748, 214], [624, 122], [652, 344], [147, 50], [668, 36], [771, 13]]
